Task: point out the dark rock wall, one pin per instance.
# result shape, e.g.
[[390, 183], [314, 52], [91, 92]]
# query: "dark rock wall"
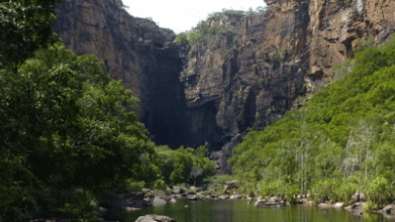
[[289, 51], [259, 65], [137, 52]]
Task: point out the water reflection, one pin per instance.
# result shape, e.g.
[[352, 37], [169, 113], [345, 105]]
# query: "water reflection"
[[240, 211]]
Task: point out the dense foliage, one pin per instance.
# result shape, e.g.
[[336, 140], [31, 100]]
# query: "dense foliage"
[[65, 126], [339, 142], [210, 30], [184, 165], [25, 26], [66, 139]]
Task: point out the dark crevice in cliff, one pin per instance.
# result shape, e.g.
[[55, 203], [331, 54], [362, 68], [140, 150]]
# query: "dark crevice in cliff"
[[165, 112]]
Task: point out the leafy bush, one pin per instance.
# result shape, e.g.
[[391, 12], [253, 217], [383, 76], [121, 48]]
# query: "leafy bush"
[[184, 165], [217, 182], [182, 38], [82, 204], [274, 58]]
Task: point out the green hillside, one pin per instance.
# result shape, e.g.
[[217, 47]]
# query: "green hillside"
[[340, 141]]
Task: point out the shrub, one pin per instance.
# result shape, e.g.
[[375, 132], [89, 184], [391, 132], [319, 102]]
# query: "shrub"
[[268, 111], [284, 53], [182, 38]]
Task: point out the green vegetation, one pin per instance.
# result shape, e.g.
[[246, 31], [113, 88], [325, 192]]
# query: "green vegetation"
[[254, 66], [275, 58], [67, 141], [258, 11], [236, 14], [204, 33], [363, 45], [218, 182], [182, 38], [23, 36], [284, 53], [209, 31], [263, 80], [339, 142], [184, 165]]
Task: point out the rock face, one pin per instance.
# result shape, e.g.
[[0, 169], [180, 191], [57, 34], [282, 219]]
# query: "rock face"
[[154, 218], [212, 95], [136, 51], [289, 51]]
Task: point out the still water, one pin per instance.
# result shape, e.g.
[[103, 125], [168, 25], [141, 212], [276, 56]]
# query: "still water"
[[240, 211]]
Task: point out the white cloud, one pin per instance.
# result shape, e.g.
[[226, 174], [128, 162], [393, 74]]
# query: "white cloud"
[[181, 16]]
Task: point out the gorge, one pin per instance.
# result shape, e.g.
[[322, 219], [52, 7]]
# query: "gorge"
[[247, 76]]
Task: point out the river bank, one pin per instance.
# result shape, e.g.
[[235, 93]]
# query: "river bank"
[[136, 201]]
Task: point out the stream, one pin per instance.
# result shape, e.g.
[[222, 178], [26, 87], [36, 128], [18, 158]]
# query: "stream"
[[242, 210]]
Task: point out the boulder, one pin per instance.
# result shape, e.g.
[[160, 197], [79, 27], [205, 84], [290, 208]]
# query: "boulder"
[[389, 209], [338, 205], [223, 197], [259, 203], [308, 202], [236, 197], [356, 208], [250, 198], [192, 197], [173, 200], [274, 199], [157, 201], [230, 185], [358, 197], [178, 190], [154, 218], [195, 189], [263, 203], [132, 208], [325, 205]]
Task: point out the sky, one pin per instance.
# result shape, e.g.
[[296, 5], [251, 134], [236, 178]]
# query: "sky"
[[181, 16]]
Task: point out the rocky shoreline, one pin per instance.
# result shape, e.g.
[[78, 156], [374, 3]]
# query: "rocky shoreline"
[[149, 197]]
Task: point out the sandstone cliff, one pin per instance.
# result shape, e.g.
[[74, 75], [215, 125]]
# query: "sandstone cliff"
[[289, 51], [247, 76], [134, 50]]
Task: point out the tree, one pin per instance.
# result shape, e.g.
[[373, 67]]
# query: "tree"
[[195, 172], [25, 26], [65, 127]]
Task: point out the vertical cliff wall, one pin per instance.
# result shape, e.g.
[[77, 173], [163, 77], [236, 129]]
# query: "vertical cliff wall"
[[135, 51], [247, 77], [264, 62]]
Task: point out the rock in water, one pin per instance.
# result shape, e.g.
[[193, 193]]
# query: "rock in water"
[[356, 208], [158, 201], [154, 218], [192, 197]]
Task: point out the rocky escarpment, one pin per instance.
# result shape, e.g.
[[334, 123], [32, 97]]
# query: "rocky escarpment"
[[136, 51], [254, 73], [247, 76]]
